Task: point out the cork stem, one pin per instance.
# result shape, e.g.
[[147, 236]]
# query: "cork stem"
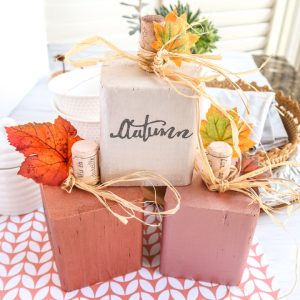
[[219, 155], [147, 36]]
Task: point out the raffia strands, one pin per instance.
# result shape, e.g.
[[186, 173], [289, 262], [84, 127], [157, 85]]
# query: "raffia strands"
[[158, 63], [103, 195]]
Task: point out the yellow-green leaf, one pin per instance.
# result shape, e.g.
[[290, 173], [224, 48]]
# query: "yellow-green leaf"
[[173, 35], [217, 127]]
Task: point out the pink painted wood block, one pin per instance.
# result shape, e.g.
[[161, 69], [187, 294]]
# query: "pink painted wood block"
[[89, 243], [210, 236]]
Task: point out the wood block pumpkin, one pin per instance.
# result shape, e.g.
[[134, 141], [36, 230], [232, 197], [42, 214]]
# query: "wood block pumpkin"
[[89, 243], [210, 236]]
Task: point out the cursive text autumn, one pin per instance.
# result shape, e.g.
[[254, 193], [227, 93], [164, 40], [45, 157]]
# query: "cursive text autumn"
[[129, 130]]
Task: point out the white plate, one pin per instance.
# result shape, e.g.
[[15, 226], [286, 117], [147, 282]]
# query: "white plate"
[[77, 92], [77, 83]]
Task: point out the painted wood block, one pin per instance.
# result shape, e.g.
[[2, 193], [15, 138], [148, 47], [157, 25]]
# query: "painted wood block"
[[145, 125], [210, 236], [89, 243]]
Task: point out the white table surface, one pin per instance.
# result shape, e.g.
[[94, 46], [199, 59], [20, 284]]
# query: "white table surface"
[[278, 245]]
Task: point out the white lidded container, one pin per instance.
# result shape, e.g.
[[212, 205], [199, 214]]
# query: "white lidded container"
[[76, 99], [18, 195], [88, 129], [76, 93]]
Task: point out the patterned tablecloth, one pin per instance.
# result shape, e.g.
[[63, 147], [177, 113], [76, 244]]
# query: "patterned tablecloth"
[[28, 271]]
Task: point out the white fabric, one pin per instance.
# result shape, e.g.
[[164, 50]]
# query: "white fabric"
[[259, 105], [268, 128], [274, 133], [240, 62]]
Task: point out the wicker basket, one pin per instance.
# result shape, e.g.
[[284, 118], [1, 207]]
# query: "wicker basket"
[[290, 115]]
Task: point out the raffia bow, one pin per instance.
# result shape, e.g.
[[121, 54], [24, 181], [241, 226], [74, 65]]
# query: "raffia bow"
[[130, 209], [158, 63]]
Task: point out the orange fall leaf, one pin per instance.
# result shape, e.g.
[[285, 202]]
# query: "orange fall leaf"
[[47, 149], [173, 36]]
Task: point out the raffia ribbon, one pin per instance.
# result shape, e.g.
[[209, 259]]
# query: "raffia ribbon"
[[158, 63], [103, 194]]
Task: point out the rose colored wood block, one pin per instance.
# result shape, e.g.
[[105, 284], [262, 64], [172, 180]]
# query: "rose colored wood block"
[[89, 243], [210, 236]]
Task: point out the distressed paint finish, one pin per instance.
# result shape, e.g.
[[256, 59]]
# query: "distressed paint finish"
[[145, 125], [210, 236], [89, 243]]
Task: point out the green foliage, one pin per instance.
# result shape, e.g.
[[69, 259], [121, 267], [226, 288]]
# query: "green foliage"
[[208, 37], [204, 28]]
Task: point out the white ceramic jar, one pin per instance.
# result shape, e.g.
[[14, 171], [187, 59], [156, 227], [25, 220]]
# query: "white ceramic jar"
[[76, 99], [18, 195], [86, 129]]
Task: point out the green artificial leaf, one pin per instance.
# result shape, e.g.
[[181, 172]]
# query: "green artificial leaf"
[[207, 32], [217, 127]]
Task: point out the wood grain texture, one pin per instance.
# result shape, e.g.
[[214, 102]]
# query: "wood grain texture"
[[89, 243], [209, 237]]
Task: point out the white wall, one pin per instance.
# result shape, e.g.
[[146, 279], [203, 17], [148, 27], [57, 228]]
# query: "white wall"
[[69, 21], [23, 52], [255, 26], [289, 42], [243, 25]]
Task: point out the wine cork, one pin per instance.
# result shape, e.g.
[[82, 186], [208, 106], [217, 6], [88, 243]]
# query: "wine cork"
[[86, 161], [147, 36], [219, 155]]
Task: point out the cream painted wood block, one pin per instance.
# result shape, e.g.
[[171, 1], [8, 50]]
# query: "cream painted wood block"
[[145, 125]]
